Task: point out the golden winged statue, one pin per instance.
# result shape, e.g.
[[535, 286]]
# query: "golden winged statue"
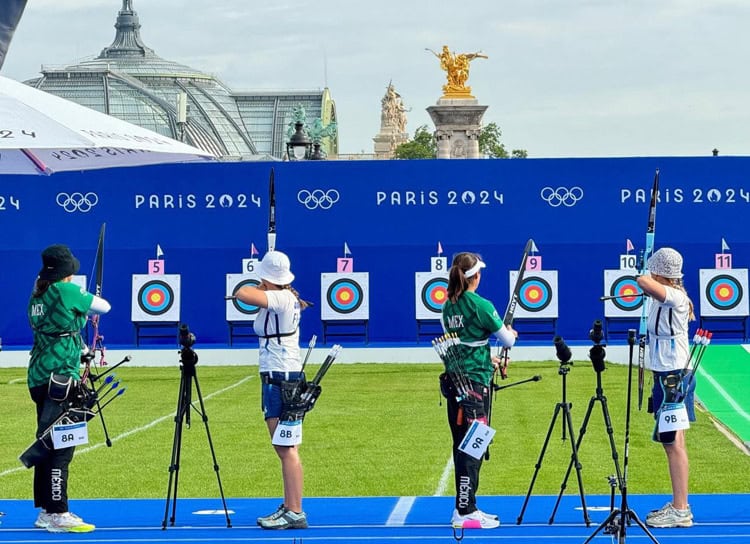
[[456, 66]]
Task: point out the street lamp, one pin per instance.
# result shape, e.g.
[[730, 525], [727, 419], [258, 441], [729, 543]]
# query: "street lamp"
[[298, 146], [317, 154]]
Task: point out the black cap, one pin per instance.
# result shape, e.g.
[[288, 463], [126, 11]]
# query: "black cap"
[[58, 263]]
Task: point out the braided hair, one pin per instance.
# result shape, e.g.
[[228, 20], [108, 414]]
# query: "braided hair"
[[677, 283]]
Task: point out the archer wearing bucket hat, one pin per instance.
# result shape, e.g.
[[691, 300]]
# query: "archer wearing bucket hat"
[[670, 312], [275, 268], [57, 312], [279, 361], [667, 263], [58, 263]]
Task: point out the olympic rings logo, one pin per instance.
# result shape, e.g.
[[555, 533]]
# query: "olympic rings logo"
[[562, 196], [318, 198], [77, 202]]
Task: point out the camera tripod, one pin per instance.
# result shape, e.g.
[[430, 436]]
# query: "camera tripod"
[[597, 355], [563, 407], [188, 360], [619, 518]]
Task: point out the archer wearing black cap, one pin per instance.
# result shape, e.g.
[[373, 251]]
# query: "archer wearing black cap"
[[57, 312]]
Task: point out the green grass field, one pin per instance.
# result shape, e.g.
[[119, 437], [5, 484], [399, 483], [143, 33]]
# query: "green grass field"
[[378, 429]]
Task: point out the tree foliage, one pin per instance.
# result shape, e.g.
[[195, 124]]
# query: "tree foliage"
[[423, 145]]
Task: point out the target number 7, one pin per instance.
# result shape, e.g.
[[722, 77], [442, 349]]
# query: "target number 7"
[[344, 265]]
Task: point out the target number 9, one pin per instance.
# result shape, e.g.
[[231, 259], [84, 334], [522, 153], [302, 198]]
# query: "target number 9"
[[534, 262]]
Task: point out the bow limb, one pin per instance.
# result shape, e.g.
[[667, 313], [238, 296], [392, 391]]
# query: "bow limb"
[[507, 321], [513, 303], [97, 340], [645, 303], [271, 213]]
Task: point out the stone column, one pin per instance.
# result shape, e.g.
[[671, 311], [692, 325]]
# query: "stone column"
[[457, 127]]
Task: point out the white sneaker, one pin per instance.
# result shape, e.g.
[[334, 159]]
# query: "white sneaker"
[[68, 523], [43, 519], [490, 516], [475, 520]]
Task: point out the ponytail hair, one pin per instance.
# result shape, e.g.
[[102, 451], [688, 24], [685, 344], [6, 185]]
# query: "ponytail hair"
[[679, 284], [40, 287], [458, 283], [303, 304]]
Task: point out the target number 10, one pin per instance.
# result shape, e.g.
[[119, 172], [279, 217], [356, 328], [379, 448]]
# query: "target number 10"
[[627, 262]]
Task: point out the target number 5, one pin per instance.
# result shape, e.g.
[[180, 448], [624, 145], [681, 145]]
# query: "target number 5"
[[156, 266]]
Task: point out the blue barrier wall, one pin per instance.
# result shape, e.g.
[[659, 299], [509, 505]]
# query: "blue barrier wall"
[[391, 214]]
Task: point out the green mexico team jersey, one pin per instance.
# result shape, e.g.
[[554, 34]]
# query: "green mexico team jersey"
[[61, 309], [474, 319]]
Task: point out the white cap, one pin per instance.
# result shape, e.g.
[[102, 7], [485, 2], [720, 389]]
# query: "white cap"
[[666, 262], [275, 268]]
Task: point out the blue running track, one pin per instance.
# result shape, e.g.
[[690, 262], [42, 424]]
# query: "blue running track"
[[394, 520]]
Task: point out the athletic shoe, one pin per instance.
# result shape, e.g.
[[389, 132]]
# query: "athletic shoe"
[[663, 509], [68, 523], [490, 516], [287, 520], [475, 520], [43, 519], [278, 513], [669, 516]]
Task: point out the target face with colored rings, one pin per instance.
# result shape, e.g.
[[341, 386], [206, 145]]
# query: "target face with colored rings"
[[626, 289], [243, 307], [434, 294], [535, 294], [724, 292], [155, 297], [345, 296]]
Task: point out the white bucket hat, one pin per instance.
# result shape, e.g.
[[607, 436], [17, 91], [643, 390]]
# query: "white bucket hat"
[[667, 263], [275, 268]]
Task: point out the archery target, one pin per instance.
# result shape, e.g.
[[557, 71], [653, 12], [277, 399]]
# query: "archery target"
[[236, 309], [156, 298], [623, 285], [723, 292], [345, 296], [537, 296], [430, 292]]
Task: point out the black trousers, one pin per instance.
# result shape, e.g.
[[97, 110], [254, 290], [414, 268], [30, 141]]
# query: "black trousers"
[[51, 474], [466, 468]]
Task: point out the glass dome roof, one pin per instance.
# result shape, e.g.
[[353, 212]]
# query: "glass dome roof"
[[130, 81]]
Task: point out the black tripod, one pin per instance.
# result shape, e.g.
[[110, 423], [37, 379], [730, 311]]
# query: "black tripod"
[[619, 518], [597, 354], [188, 360], [563, 353]]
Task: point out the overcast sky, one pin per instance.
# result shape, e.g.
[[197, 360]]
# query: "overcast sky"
[[564, 78]]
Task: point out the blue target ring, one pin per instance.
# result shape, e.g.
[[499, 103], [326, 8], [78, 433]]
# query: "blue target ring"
[[243, 307], [724, 292], [535, 294], [155, 297], [434, 294], [345, 296], [627, 293]]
